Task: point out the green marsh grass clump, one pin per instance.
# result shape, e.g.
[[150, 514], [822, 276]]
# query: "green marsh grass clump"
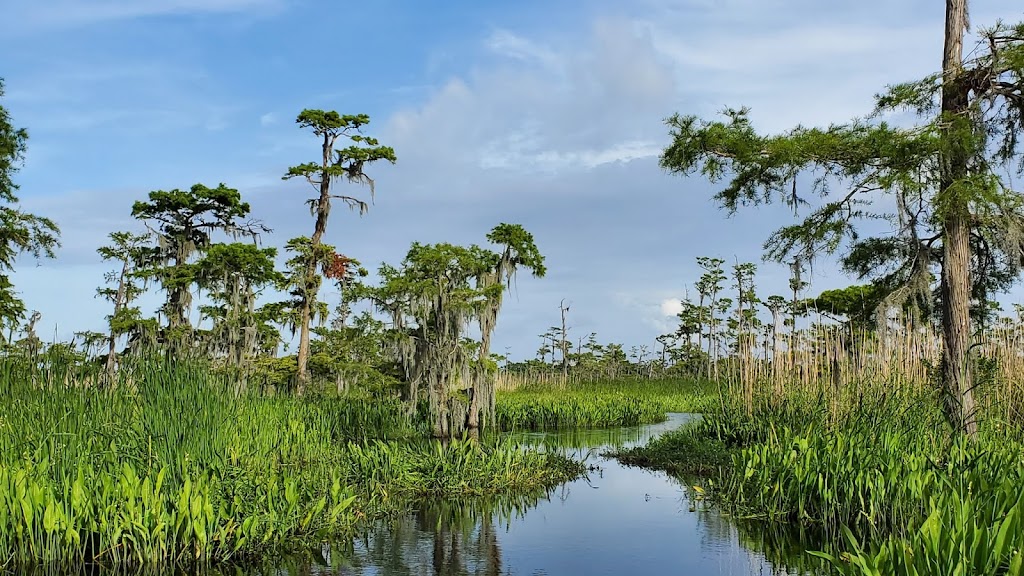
[[687, 451], [169, 466], [556, 411], [598, 404]]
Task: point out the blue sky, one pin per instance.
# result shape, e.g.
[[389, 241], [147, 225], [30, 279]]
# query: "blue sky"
[[546, 114]]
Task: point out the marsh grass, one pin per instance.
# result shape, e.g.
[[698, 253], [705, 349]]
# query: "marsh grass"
[[878, 477], [169, 467], [598, 404], [687, 452]]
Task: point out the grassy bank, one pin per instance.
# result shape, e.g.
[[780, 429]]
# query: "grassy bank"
[[599, 404], [880, 477], [171, 467]]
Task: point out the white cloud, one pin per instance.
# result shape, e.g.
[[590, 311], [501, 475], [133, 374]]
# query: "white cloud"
[[650, 307], [512, 154], [268, 119], [671, 306], [535, 108], [546, 119]]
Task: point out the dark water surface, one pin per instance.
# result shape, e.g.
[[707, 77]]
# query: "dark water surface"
[[618, 521]]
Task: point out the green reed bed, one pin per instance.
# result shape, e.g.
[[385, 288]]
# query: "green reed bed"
[[169, 467], [553, 411], [598, 404], [891, 490]]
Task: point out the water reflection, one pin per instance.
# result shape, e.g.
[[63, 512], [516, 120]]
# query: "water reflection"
[[443, 539], [619, 520], [581, 442]]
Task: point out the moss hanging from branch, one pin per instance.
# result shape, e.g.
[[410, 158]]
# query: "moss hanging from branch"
[[434, 298]]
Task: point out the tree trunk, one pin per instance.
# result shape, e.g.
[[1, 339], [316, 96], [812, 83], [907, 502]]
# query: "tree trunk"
[[564, 347], [483, 379], [302, 360], [955, 285], [323, 210], [177, 316], [122, 290], [741, 352], [713, 338], [776, 378]]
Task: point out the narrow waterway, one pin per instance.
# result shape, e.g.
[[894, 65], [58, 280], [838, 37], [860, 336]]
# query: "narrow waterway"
[[620, 520]]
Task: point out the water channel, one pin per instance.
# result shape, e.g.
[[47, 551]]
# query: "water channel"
[[620, 520]]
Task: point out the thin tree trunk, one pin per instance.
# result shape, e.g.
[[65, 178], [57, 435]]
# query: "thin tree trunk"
[[713, 338], [741, 349], [564, 347], [700, 333], [955, 284], [776, 379], [118, 305], [302, 374], [323, 210]]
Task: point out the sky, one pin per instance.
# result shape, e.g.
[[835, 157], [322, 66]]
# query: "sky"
[[550, 115]]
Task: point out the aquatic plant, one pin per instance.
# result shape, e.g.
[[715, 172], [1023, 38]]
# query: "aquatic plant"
[[170, 466], [881, 479]]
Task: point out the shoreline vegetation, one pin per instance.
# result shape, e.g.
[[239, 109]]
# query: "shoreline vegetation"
[[172, 467], [844, 460]]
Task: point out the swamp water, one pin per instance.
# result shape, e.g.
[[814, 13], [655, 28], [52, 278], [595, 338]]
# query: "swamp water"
[[618, 520]]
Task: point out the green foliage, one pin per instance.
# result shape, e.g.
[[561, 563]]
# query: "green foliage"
[[333, 164], [870, 157], [355, 355], [880, 479], [599, 404], [559, 411], [434, 297], [224, 263], [130, 251], [302, 286], [190, 216], [346, 163], [20, 232], [686, 452], [233, 276], [184, 222], [856, 303], [764, 169], [170, 466], [520, 249]]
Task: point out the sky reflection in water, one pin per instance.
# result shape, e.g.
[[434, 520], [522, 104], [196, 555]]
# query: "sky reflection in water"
[[619, 521]]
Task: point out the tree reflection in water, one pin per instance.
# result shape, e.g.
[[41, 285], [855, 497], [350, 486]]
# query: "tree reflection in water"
[[439, 538]]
